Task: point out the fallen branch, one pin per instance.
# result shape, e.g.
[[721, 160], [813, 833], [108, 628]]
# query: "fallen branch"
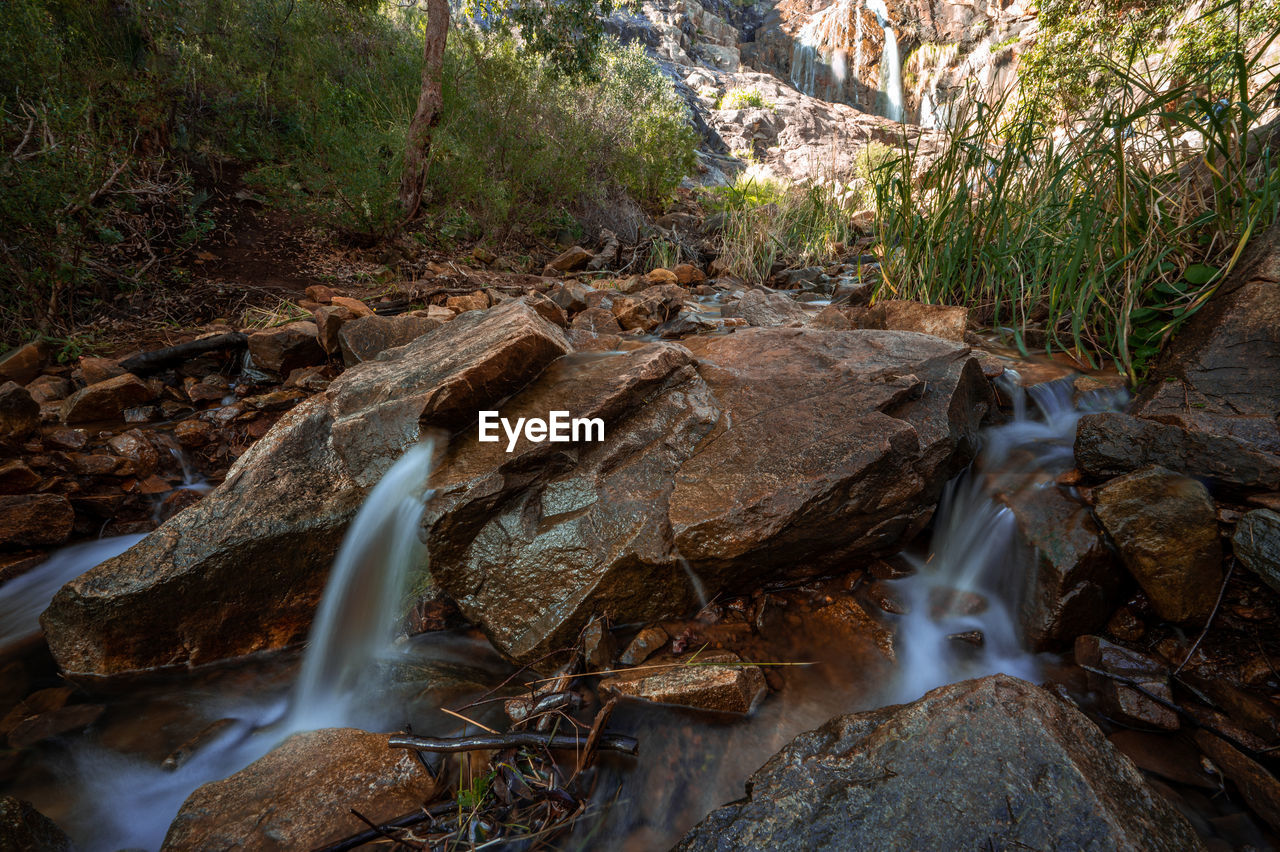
[[515, 739], [158, 359]]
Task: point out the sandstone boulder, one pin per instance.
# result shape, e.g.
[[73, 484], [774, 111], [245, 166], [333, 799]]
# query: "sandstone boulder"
[[990, 763], [1257, 544], [365, 338], [284, 349], [719, 681], [764, 309], [302, 794], [34, 520], [23, 364], [938, 320], [19, 413], [105, 400], [242, 570]]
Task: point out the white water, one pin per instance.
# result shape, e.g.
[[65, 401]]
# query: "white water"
[[127, 802], [890, 64], [973, 555], [23, 598]]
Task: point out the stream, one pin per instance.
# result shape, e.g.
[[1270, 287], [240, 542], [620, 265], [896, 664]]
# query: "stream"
[[120, 784]]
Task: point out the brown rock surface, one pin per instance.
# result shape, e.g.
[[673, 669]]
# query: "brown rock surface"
[[19, 413], [568, 260], [34, 520], [717, 680], [287, 347], [105, 400], [366, 338], [22, 364], [24, 829], [939, 320]]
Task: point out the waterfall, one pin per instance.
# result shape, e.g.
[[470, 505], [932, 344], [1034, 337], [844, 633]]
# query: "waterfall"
[[824, 40], [890, 64], [972, 582]]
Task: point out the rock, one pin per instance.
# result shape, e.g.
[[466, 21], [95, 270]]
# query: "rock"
[[440, 313], [357, 307], [939, 320], [1166, 531], [1258, 786], [285, 504], [66, 439], [547, 309], [1257, 544], [23, 364], [137, 448], [19, 413], [647, 642], [661, 276], [25, 829], [54, 723], [366, 338], [650, 307], [763, 309], [1022, 769], [831, 318], [1110, 443], [50, 389], [568, 261], [34, 520], [329, 319], [105, 400], [94, 370], [287, 347], [211, 388], [16, 477], [570, 295], [719, 681], [775, 453], [194, 433], [302, 794], [320, 294], [483, 255], [276, 400], [1168, 757], [311, 379], [687, 273], [596, 321], [1121, 701], [1073, 580]]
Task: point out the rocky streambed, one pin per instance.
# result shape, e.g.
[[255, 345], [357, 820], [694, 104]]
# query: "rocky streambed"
[[740, 563]]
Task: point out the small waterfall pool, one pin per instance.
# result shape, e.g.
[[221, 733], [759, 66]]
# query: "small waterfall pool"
[[120, 784]]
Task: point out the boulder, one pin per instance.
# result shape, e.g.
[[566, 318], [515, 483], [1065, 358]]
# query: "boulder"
[[899, 315], [50, 389], [269, 532], [23, 364], [649, 308], [94, 370], [105, 400], [365, 338], [718, 680], [19, 413], [687, 273], [568, 260], [357, 307], [1166, 530], [989, 763], [776, 452], [1121, 701], [570, 295], [329, 320], [596, 321], [25, 829], [34, 520], [475, 301], [1257, 544], [302, 794], [765, 309], [286, 348]]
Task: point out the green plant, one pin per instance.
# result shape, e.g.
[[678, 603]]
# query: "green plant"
[[744, 97], [1113, 235]]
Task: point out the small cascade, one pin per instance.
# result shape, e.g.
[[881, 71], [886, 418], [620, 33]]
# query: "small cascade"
[[962, 603], [824, 41], [890, 99]]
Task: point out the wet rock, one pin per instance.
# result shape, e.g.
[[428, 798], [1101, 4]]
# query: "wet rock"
[[16, 477], [94, 370], [19, 413], [366, 338], [763, 309], [477, 301], [1073, 580], [50, 389], [302, 794], [547, 309], [1166, 531], [194, 433], [569, 260], [211, 388], [25, 829], [357, 307], [719, 681], [570, 295], [1108, 444], [1258, 786], [137, 448], [285, 504], [848, 627], [105, 400], [66, 439], [284, 349], [55, 723], [647, 642], [1168, 757], [596, 321], [650, 307], [939, 320], [23, 364], [34, 520], [329, 319], [1257, 544], [1022, 769], [1120, 700]]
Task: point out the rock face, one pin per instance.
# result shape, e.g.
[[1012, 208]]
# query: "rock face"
[[990, 763], [300, 796], [720, 681], [1211, 406], [1257, 544], [776, 452], [32, 520], [1166, 530], [242, 570], [366, 338], [25, 829]]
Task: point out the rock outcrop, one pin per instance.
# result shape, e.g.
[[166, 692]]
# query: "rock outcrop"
[[990, 763]]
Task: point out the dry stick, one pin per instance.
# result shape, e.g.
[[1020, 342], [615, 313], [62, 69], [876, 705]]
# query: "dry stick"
[[1222, 591], [593, 739], [1137, 686], [515, 739]]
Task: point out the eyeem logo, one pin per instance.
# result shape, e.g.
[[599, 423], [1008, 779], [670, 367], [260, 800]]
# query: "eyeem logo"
[[560, 428]]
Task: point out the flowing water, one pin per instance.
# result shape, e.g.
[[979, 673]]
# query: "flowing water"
[[890, 99]]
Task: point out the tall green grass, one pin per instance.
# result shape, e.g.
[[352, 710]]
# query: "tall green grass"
[[1101, 240]]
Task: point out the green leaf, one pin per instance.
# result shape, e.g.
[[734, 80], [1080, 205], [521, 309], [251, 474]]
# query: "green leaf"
[[1200, 273]]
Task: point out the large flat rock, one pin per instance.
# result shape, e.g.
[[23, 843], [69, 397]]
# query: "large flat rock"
[[994, 763], [242, 571]]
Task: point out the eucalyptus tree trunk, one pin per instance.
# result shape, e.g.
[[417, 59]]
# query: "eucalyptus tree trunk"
[[427, 115]]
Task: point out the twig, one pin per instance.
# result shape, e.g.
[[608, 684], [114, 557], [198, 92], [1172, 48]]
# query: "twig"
[[404, 821], [458, 715], [593, 739], [1222, 591], [515, 739]]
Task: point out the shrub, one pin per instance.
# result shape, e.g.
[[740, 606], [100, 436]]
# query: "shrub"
[[744, 97]]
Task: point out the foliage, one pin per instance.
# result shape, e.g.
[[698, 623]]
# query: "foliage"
[[744, 97], [769, 223], [1104, 241]]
